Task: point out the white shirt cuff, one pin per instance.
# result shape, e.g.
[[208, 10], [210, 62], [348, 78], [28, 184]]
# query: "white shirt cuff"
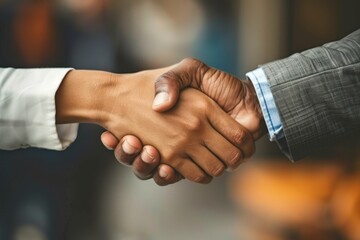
[[27, 104], [267, 103]]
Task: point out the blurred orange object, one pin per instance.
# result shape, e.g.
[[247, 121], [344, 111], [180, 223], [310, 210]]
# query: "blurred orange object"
[[345, 205], [34, 32], [307, 200]]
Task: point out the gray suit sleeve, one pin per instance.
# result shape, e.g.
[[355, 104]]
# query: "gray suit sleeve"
[[317, 93]]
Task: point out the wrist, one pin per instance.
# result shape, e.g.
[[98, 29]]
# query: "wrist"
[[254, 97], [82, 95], [261, 128]]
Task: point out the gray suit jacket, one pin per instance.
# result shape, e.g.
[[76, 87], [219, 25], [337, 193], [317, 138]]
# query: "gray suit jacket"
[[317, 93]]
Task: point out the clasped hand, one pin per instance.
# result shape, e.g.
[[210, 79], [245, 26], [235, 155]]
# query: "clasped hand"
[[190, 135]]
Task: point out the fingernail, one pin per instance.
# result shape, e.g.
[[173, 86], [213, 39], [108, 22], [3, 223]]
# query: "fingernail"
[[146, 156], [160, 98], [108, 148], [128, 148], [162, 173]]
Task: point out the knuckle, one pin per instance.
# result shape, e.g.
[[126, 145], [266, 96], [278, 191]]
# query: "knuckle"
[[169, 75], [234, 158], [192, 62], [202, 106], [196, 67], [240, 137], [195, 124], [170, 156], [164, 79], [217, 171], [201, 178]]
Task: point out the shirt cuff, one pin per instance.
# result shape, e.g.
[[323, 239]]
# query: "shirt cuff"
[[267, 103], [59, 136], [28, 117]]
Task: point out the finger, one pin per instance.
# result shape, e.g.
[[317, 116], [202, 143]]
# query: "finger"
[[169, 84], [109, 140], [146, 163], [224, 150], [231, 130], [128, 148], [187, 168], [205, 159], [166, 175]]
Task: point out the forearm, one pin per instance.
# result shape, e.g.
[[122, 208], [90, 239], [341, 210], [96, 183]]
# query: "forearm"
[[83, 96], [37, 104]]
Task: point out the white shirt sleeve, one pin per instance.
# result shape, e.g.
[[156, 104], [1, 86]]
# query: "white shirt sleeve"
[[27, 109]]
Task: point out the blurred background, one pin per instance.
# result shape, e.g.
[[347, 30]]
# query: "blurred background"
[[83, 193]]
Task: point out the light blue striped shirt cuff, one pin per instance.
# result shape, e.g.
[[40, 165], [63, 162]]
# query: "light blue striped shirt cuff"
[[267, 103]]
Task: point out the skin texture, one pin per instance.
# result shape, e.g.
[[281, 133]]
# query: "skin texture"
[[237, 98], [196, 137]]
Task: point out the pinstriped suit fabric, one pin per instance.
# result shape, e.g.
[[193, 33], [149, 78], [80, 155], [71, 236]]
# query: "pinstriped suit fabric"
[[317, 93]]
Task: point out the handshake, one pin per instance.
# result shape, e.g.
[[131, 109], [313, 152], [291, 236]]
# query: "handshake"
[[201, 121]]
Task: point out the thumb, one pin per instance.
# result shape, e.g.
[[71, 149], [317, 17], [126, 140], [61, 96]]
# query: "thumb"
[[167, 91], [169, 84]]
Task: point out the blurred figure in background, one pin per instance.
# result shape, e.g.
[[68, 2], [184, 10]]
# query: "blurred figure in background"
[[91, 39], [29, 35], [153, 34], [141, 26]]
